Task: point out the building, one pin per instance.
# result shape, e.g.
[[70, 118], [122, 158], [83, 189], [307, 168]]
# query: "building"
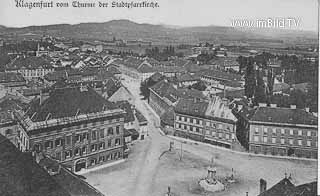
[[285, 187], [211, 122], [75, 125], [27, 176], [30, 67], [283, 131], [12, 80], [186, 80]]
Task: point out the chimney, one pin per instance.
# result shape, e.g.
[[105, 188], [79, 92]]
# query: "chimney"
[[273, 105], [263, 185], [293, 107], [307, 110]]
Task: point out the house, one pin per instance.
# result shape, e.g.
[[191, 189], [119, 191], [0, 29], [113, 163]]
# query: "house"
[[285, 187], [30, 67], [75, 125], [143, 125], [122, 94], [12, 80], [187, 80], [211, 122], [283, 131]]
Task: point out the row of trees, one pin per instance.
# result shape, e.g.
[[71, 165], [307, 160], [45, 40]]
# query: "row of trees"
[[163, 55]]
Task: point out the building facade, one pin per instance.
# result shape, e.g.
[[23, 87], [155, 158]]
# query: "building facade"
[[199, 121], [82, 140], [283, 131]]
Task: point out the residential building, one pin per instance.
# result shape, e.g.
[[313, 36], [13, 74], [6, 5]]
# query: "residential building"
[[211, 122], [283, 131], [30, 67], [75, 125]]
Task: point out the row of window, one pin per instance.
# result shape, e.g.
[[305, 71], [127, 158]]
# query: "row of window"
[[290, 141], [189, 128], [109, 157], [199, 122], [220, 135], [59, 142], [283, 131]]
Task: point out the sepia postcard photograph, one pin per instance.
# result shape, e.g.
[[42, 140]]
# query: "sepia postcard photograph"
[[159, 97]]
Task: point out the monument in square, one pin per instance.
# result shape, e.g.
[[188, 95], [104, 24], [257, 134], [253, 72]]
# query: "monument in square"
[[211, 183]]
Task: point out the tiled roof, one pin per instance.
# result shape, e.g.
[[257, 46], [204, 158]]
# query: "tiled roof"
[[7, 105], [191, 107], [128, 108], [284, 115], [232, 94], [31, 62], [220, 74], [281, 188], [186, 77], [21, 175], [67, 102], [68, 180]]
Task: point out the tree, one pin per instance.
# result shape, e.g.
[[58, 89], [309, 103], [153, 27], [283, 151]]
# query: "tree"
[[260, 89], [250, 82]]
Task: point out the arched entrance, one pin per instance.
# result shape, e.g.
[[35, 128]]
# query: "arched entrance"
[[82, 163]]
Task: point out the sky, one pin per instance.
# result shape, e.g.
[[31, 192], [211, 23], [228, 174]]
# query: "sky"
[[170, 12]]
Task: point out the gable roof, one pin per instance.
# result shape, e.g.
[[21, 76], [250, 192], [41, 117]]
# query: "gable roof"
[[284, 115], [279, 189], [191, 107], [21, 175]]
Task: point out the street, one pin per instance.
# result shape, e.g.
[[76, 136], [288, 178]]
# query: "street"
[[144, 174]]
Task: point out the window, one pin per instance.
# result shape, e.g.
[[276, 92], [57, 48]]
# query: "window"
[[282, 131], [68, 154], [197, 129], [101, 133], [101, 159], [232, 136], [101, 146], [256, 130], [194, 129], [37, 147], [94, 135], [207, 132], [93, 161], [300, 132], [308, 143], [282, 140], [58, 142], [110, 131], [213, 133], [291, 132], [227, 136], [85, 136], [93, 147], [308, 133], [273, 140], [117, 142], [182, 118], [117, 130], [109, 143], [77, 152], [200, 121], [188, 127], [58, 156], [84, 149], [274, 131], [291, 141], [265, 139], [265, 131], [78, 137], [220, 135], [197, 121], [48, 144], [207, 124], [194, 121], [300, 142], [256, 138]]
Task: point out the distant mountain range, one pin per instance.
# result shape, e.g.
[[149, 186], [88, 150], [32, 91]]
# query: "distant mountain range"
[[128, 30]]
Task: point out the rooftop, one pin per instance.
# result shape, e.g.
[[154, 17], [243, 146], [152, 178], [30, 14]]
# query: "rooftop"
[[31, 62], [284, 116], [21, 175], [67, 102]]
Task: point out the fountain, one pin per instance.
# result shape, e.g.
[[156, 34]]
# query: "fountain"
[[211, 183]]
